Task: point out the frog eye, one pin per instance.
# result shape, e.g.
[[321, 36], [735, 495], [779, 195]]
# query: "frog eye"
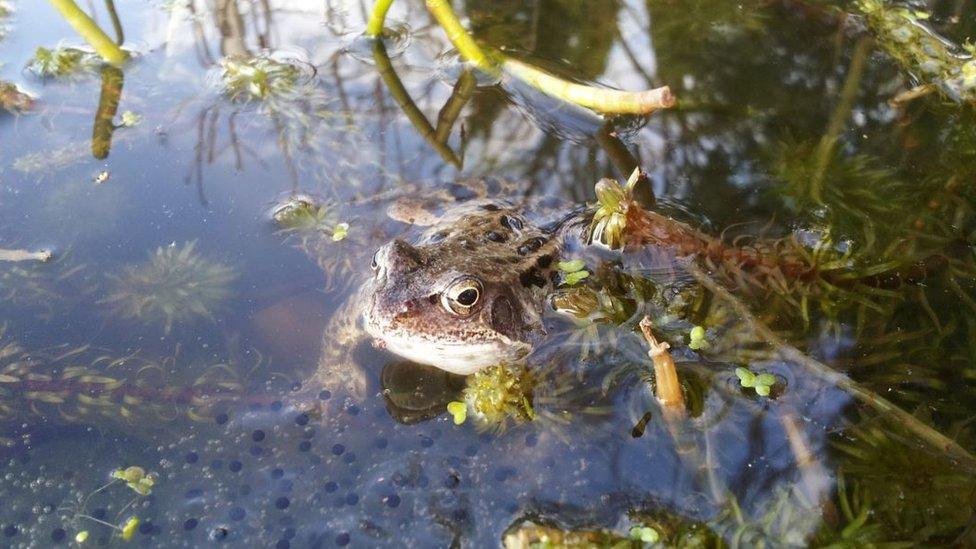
[[462, 296]]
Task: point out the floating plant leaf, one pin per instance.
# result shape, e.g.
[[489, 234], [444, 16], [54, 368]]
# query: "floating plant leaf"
[[340, 232], [81, 537], [644, 534], [129, 529], [571, 266], [458, 410], [136, 478], [762, 383], [697, 337], [573, 279]]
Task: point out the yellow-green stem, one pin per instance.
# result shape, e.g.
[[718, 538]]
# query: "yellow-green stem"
[[495, 64], [599, 99], [86, 27], [374, 27], [465, 44]]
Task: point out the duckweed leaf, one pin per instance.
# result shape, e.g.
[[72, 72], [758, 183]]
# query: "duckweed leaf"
[[571, 266], [746, 378], [762, 383], [340, 232], [765, 379], [81, 537], [129, 529], [136, 478], [644, 534], [697, 339], [573, 279], [459, 410]]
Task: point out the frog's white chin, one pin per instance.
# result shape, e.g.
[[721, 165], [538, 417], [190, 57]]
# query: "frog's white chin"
[[461, 359]]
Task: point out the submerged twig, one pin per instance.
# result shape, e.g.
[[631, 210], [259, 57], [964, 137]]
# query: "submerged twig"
[[24, 255]]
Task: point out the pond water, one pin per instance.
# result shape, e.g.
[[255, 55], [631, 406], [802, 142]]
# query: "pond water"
[[179, 326]]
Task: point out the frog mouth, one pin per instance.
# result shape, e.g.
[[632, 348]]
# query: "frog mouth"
[[462, 358]]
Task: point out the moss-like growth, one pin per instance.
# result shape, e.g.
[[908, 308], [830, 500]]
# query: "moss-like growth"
[[500, 394], [62, 62], [259, 78], [176, 286]]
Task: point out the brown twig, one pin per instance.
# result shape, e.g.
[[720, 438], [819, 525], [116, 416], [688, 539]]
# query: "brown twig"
[[667, 386]]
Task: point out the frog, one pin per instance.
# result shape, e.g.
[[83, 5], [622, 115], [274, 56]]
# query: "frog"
[[456, 281], [469, 292]]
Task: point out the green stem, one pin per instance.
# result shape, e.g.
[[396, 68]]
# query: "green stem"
[[463, 41], [374, 27], [86, 27], [496, 64]]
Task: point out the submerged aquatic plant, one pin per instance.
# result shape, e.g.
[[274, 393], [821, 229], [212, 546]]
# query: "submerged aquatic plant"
[[929, 58], [62, 61], [501, 393], [44, 286], [52, 160], [176, 286], [258, 78]]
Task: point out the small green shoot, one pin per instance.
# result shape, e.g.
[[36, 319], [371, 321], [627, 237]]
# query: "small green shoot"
[[81, 537], [762, 383], [458, 410]]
